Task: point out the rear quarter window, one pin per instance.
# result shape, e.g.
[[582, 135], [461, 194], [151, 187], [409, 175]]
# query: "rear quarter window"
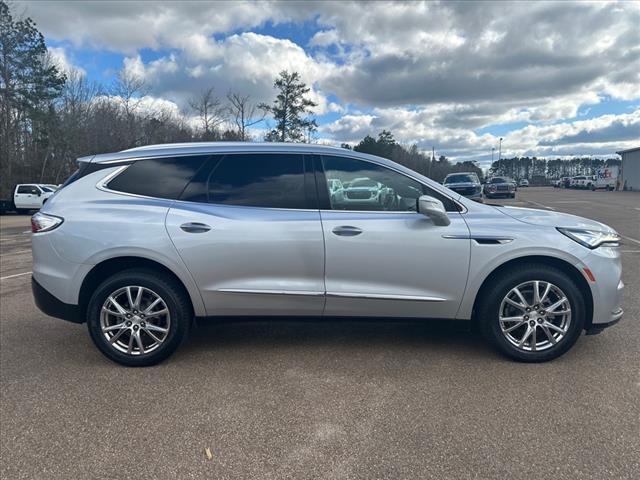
[[158, 177]]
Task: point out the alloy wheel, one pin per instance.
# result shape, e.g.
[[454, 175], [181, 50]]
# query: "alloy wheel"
[[135, 320], [535, 316]]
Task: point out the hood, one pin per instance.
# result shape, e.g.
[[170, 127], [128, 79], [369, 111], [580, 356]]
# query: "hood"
[[548, 218]]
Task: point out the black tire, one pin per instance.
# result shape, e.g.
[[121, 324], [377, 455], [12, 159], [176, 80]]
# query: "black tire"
[[489, 311], [513, 195], [173, 295]]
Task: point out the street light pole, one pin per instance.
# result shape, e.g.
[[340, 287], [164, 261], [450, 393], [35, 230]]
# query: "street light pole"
[[493, 149], [500, 150]]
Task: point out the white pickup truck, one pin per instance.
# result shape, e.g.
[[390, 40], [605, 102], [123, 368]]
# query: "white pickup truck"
[[583, 181], [26, 197]]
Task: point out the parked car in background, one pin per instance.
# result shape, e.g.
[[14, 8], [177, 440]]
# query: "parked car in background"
[[523, 183], [562, 182], [465, 183], [26, 197], [585, 182], [576, 180], [606, 178], [141, 242], [365, 192], [500, 187]]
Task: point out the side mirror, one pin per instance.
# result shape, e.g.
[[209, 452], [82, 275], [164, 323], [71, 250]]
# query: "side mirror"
[[434, 209]]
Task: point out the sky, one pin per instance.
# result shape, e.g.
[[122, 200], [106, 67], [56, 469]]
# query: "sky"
[[553, 79]]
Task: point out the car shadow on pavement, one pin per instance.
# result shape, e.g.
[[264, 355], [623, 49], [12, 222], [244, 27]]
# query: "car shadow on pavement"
[[389, 334]]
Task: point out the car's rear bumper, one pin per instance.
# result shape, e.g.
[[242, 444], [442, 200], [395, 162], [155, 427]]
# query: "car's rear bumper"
[[54, 307]]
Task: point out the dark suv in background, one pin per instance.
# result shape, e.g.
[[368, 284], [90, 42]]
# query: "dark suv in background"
[[500, 187], [465, 183]]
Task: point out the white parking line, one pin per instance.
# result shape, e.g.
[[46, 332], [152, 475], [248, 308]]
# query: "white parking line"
[[16, 275], [631, 239], [540, 205]]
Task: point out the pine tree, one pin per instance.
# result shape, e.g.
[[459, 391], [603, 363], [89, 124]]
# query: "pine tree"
[[290, 110]]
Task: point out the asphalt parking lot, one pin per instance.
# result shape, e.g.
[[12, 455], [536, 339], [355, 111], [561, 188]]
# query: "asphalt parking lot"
[[275, 400]]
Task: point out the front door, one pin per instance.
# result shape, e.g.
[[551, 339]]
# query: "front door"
[[249, 231], [382, 257]]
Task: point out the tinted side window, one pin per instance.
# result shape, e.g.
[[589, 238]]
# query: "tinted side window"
[[24, 189], [364, 186], [259, 180], [158, 177]]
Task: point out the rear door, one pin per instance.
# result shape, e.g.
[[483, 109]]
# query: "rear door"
[[248, 228]]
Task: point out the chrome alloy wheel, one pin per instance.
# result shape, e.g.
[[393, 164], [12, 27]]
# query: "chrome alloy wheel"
[[535, 316], [135, 320]]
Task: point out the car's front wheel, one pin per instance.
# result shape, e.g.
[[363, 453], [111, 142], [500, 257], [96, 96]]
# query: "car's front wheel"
[[138, 317], [533, 313]]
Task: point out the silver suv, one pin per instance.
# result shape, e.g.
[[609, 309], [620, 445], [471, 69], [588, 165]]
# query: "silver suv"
[[139, 243]]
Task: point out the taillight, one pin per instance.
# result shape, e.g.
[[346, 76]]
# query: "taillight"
[[41, 222]]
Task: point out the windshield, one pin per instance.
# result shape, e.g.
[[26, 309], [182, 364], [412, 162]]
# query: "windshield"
[[46, 189], [499, 180], [461, 178]]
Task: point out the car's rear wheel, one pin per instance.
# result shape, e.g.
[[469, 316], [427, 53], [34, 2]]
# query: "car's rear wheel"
[[138, 317], [533, 313]]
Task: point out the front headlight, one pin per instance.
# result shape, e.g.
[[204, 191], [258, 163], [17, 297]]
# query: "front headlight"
[[591, 238]]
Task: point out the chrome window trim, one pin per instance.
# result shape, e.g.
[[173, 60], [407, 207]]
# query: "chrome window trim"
[[129, 160], [102, 184]]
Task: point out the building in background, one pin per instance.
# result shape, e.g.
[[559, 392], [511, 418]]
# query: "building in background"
[[630, 172]]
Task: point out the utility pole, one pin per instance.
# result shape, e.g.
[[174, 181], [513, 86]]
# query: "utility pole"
[[500, 150], [433, 158], [493, 149]]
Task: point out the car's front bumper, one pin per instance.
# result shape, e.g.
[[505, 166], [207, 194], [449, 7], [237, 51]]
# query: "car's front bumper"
[[607, 287], [596, 328]]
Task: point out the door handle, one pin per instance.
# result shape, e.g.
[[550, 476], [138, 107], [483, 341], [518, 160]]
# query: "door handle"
[[195, 227], [346, 231]]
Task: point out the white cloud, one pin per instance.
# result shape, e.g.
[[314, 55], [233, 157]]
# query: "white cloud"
[[248, 63], [431, 72], [58, 56]]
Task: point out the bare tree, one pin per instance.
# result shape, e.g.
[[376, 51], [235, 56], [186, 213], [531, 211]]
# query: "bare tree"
[[210, 111], [243, 113], [129, 90]]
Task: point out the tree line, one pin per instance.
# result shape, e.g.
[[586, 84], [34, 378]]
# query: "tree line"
[[49, 118], [542, 170]]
